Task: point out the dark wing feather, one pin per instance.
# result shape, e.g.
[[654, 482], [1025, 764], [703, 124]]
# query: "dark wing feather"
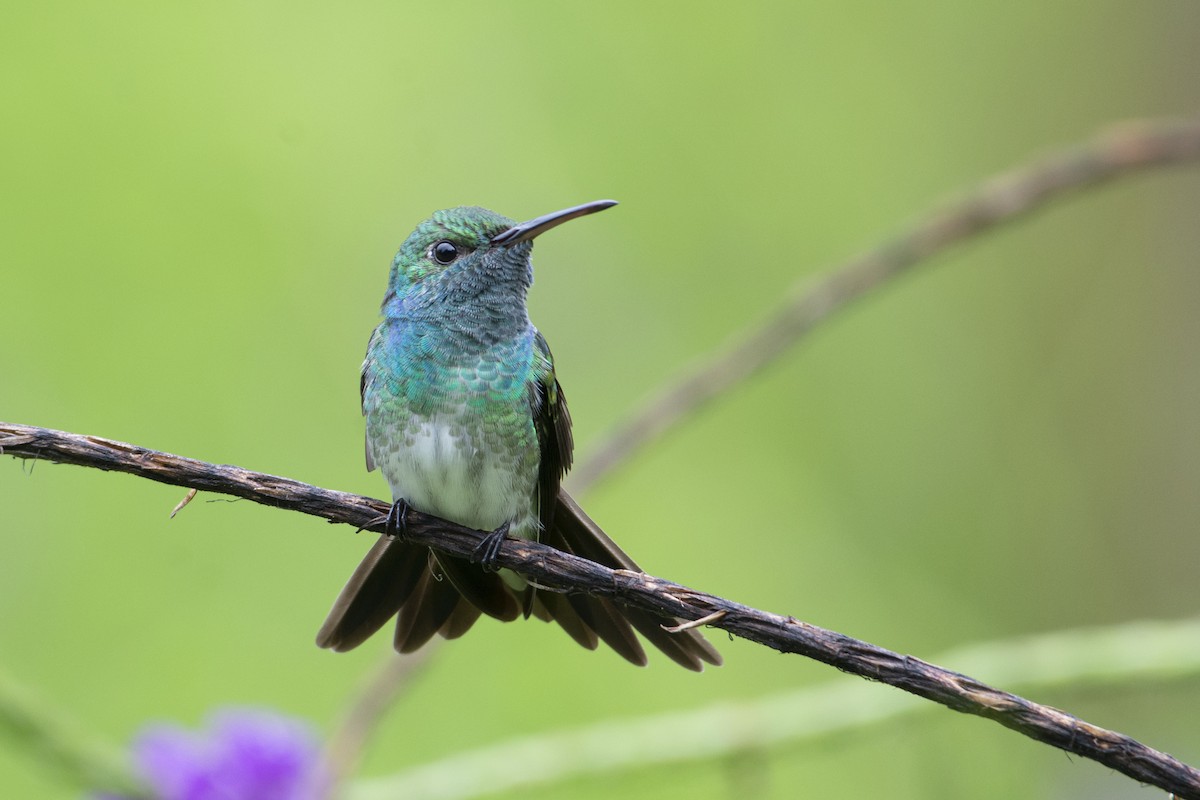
[[552, 424], [380, 585], [585, 538], [565, 526], [597, 613], [362, 398], [551, 606], [552, 421], [431, 606], [484, 590], [460, 621]]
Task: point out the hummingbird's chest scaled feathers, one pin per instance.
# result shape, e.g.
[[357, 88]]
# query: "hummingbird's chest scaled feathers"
[[449, 422]]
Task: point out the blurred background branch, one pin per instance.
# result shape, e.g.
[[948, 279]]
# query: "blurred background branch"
[[63, 744], [560, 571], [1133, 655], [1128, 148], [366, 708]]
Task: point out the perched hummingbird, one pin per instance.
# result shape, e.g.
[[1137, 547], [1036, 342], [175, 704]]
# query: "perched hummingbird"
[[466, 420]]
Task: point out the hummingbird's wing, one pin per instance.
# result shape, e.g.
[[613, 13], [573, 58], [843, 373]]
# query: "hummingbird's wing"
[[552, 421], [566, 527], [362, 396], [575, 532]]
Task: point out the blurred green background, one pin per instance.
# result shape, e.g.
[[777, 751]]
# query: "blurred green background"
[[198, 207]]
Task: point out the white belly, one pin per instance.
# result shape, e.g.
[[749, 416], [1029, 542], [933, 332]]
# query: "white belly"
[[436, 464]]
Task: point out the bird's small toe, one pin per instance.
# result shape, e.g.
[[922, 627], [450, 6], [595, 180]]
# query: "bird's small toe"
[[489, 549], [396, 525]]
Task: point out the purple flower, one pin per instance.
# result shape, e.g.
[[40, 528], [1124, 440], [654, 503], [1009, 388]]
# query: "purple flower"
[[244, 754]]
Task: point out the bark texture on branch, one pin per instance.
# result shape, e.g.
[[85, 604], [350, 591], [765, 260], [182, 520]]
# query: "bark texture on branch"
[[558, 570]]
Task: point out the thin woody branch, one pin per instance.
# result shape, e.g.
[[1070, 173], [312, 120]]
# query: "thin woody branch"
[[1124, 150], [558, 570]]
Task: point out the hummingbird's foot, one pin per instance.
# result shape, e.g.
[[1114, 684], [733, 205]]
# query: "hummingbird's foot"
[[396, 525], [485, 554]]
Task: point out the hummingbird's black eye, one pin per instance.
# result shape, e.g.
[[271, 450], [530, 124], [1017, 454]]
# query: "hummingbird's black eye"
[[443, 252]]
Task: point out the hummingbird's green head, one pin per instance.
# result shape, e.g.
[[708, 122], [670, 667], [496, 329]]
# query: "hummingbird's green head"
[[460, 254], [449, 237]]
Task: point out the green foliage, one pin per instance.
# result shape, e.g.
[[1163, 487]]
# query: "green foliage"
[[198, 208]]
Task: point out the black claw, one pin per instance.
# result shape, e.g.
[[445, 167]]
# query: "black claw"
[[488, 550], [396, 525]]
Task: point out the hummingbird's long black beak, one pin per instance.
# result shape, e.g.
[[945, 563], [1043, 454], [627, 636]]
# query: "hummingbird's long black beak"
[[524, 231]]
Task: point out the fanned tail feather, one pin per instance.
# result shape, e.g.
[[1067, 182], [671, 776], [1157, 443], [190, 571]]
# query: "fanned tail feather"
[[441, 595]]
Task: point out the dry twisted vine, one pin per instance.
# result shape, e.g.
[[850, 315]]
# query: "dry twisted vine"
[[561, 571]]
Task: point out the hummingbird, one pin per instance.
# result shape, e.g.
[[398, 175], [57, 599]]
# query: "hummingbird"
[[466, 420]]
